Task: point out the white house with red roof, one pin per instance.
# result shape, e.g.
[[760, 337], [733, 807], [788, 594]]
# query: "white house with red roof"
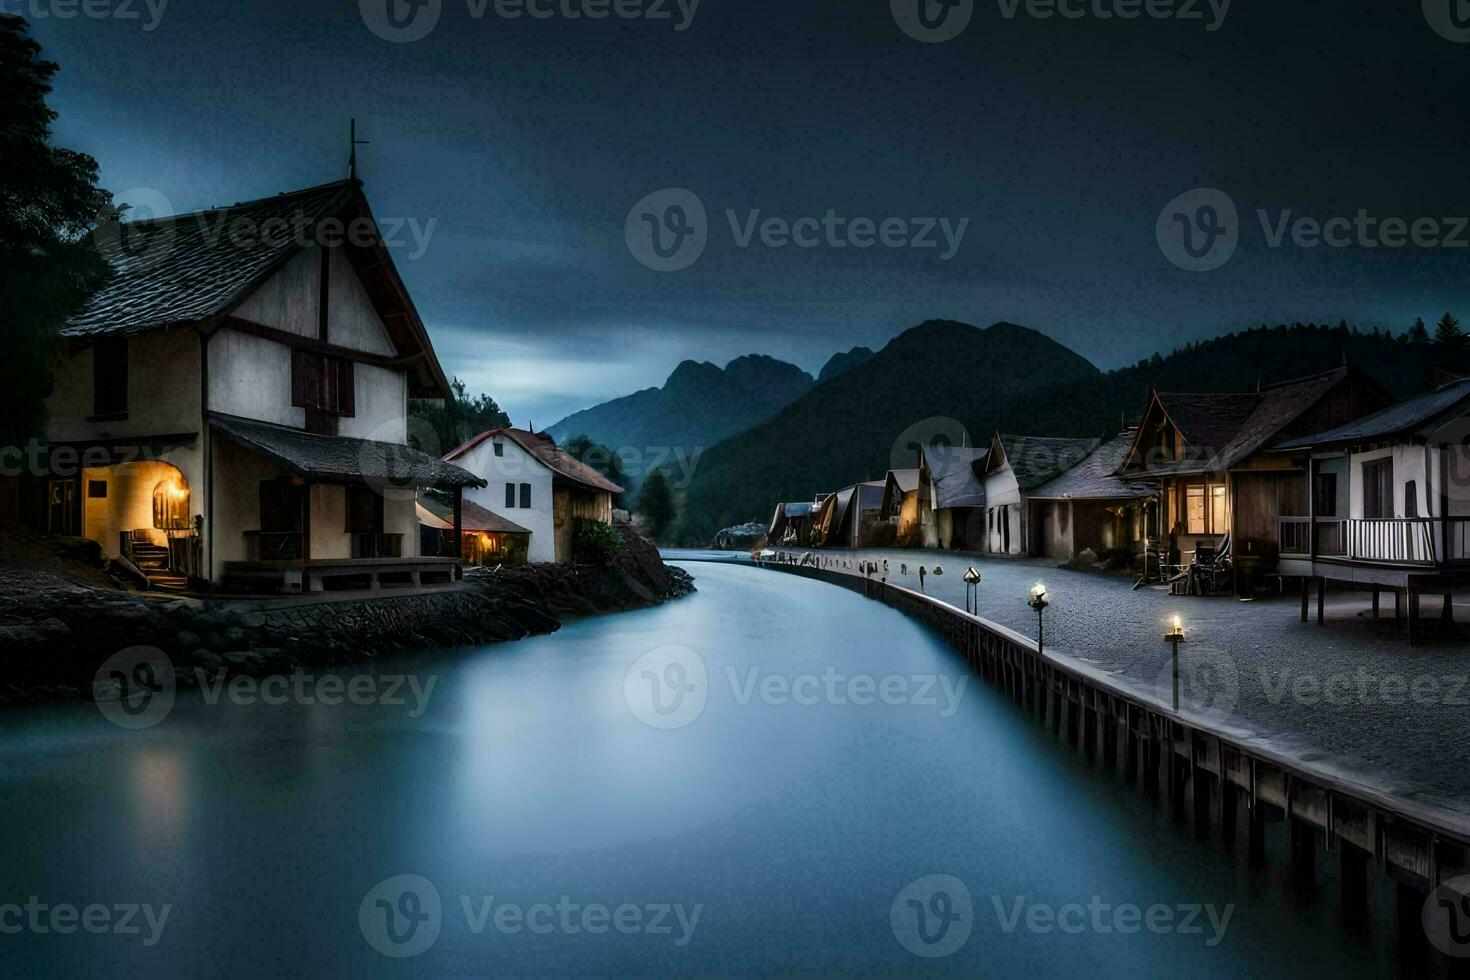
[[538, 485]]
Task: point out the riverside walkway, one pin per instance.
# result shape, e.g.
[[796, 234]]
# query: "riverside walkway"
[[1350, 697]]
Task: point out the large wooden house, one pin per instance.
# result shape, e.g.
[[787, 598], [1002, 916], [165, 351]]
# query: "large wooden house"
[[1218, 487], [848, 518], [1389, 502], [1014, 468], [528, 479], [237, 396], [908, 507]]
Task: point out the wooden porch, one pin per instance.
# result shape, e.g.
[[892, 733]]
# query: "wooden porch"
[[268, 576]]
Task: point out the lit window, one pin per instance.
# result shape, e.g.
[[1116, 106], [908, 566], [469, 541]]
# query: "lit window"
[[1219, 511], [1194, 510]]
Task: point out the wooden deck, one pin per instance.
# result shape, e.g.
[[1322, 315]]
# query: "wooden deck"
[[317, 574]]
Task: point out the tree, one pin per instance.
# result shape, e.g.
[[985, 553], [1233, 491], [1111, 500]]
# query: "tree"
[[600, 458], [1447, 331], [455, 421], [656, 503], [1417, 334], [49, 262]]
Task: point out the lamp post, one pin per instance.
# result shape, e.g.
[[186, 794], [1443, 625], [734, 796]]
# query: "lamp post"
[[1039, 602], [972, 592], [1174, 637]]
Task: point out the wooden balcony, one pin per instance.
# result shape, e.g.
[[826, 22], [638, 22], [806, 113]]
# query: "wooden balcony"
[[1413, 542]]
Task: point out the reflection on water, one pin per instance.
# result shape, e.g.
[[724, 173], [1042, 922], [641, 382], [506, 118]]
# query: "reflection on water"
[[801, 810]]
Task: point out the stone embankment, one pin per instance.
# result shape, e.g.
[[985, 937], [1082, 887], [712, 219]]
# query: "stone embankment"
[[56, 629]]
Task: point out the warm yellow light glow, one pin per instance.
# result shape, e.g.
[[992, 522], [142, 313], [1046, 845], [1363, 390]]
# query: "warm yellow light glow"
[[1038, 590], [177, 492], [1178, 624]]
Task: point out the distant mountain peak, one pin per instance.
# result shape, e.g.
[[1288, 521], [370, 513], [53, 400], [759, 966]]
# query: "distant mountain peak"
[[840, 363]]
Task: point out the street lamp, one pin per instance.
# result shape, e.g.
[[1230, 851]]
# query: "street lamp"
[[972, 593], [1039, 602], [1174, 637]]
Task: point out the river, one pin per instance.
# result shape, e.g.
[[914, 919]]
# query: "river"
[[836, 796]]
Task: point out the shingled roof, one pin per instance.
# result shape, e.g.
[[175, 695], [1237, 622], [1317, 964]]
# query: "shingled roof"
[[957, 473], [1036, 459], [545, 449], [1414, 420], [1221, 430], [340, 459], [191, 269], [1095, 478]]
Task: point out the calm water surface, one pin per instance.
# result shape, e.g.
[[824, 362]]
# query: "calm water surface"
[[790, 827]]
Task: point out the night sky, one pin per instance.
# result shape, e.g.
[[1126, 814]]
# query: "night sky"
[[527, 141]]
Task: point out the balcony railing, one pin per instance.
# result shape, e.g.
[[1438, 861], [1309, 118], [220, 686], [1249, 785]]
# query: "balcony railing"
[[1412, 541], [273, 545]]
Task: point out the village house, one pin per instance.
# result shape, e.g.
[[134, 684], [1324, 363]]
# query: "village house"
[[536, 484], [791, 523], [237, 397], [908, 507], [1220, 492], [486, 538], [1089, 507], [1014, 468], [1389, 507], [846, 519], [958, 475]]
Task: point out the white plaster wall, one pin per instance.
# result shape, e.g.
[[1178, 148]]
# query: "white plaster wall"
[[1001, 490], [250, 377], [381, 397], [238, 473], [163, 390], [400, 516], [516, 466], [329, 537]]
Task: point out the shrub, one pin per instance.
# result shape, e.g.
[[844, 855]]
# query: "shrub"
[[594, 543]]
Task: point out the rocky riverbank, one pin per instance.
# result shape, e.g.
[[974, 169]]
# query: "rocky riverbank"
[[56, 629]]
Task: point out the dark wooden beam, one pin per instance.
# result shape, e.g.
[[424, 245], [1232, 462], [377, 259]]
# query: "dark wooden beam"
[[317, 346], [459, 522]]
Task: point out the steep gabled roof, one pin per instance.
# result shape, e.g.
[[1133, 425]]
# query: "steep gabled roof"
[[906, 480], [1036, 459], [957, 476], [1095, 478], [1413, 420], [544, 449], [190, 269], [1221, 431]]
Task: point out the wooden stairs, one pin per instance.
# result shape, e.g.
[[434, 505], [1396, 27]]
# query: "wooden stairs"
[[152, 561]]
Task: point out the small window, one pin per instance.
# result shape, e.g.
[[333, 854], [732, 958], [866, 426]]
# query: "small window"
[[323, 384], [525, 495], [110, 377], [97, 489], [1219, 510], [500, 449], [510, 495]]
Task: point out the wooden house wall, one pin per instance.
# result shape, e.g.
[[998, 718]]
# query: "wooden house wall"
[[570, 503]]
